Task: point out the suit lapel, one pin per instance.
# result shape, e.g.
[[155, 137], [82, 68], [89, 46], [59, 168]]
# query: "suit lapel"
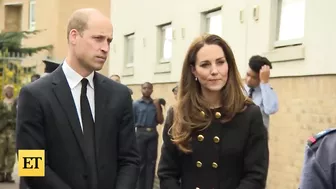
[[64, 96], [100, 106]]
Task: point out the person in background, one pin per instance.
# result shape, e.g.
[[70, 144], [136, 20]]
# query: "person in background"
[[318, 171], [50, 66], [202, 140], [147, 115], [116, 78], [175, 91], [7, 135], [259, 89], [34, 77]]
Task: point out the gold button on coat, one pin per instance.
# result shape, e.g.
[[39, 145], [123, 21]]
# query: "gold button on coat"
[[202, 113], [200, 138], [199, 164], [214, 165], [218, 115], [216, 139]]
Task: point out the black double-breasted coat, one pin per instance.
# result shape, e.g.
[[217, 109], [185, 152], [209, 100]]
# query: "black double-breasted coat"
[[231, 155]]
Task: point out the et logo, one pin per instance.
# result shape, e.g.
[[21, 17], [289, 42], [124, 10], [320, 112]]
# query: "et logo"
[[31, 163]]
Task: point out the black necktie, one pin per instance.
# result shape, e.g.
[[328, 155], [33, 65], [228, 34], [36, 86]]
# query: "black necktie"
[[89, 135], [251, 92]]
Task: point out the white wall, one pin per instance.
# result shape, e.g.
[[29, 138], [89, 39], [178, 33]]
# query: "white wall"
[[315, 56]]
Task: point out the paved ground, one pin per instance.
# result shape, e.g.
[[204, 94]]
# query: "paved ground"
[[12, 186]]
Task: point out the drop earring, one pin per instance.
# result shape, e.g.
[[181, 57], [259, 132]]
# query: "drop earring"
[[195, 78]]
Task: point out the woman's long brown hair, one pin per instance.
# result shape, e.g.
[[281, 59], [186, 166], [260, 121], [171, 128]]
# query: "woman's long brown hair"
[[187, 112]]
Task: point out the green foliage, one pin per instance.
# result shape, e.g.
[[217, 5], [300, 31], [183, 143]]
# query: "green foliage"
[[11, 71], [11, 42]]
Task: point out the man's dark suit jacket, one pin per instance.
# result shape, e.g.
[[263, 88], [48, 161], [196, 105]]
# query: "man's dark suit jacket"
[[47, 119]]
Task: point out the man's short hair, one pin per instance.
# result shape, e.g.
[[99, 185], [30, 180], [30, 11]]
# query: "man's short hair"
[[78, 22], [8, 86], [256, 62], [175, 88], [115, 75], [147, 83]]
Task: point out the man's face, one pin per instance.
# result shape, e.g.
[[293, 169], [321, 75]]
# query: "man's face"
[[116, 78], [252, 78], [93, 45], [147, 90]]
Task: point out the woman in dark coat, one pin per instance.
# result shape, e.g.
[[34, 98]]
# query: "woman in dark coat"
[[215, 137]]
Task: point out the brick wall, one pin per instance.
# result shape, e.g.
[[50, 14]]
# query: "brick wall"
[[307, 106]]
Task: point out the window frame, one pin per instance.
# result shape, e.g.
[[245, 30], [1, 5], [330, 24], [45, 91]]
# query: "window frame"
[[208, 15], [126, 60], [162, 39], [32, 14], [285, 43]]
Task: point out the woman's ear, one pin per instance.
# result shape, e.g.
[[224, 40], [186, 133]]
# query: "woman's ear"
[[193, 71]]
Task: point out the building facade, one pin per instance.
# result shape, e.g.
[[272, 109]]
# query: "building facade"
[[50, 16], [151, 39]]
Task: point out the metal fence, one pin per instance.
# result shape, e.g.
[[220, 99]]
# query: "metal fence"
[[16, 69]]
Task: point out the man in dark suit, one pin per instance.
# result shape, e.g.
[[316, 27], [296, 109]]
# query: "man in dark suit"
[[83, 120]]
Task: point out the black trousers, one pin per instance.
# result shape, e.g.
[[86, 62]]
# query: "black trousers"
[[147, 139]]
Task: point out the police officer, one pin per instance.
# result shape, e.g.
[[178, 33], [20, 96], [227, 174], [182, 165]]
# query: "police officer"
[[50, 66], [318, 170], [7, 135]]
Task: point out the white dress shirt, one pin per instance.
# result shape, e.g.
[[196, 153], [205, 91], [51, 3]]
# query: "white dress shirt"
[[74, 80]]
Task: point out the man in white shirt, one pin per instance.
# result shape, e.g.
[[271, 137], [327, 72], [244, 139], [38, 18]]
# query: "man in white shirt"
[[259, 89]]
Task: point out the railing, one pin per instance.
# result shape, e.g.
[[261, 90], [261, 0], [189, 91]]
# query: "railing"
[[16, 69]]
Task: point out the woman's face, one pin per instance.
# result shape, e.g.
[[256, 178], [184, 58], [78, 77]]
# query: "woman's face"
[[211, 68]]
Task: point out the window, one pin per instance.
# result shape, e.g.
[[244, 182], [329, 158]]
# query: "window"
[[166, 43], [213, 22], [290, 28], [129, 50], [32, 15]]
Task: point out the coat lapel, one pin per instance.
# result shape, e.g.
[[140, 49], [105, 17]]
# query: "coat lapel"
[[64, 96], [100, 106]]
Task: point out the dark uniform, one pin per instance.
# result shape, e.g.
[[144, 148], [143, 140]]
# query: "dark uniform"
[[319, 167], [147, 139], [231, 155]]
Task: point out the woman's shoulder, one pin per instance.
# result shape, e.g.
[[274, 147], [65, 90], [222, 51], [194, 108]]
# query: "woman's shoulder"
[[250, 111], [252, 108]]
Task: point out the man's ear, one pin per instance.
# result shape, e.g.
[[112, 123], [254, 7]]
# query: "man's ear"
[[73, 35]]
